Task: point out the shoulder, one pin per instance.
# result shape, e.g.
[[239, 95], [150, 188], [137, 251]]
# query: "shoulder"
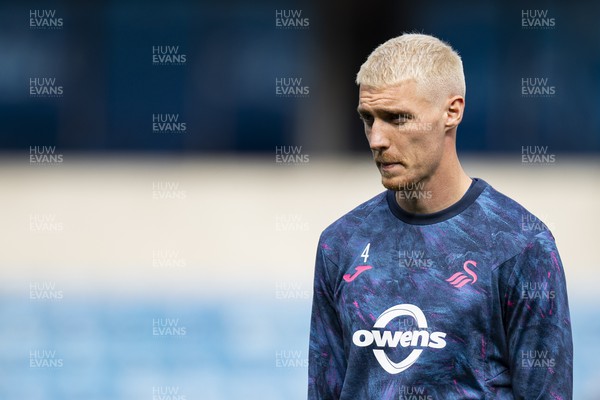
[[339, 233], [512, 226]]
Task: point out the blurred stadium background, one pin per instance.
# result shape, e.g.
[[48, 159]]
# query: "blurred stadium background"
[[142, 263]]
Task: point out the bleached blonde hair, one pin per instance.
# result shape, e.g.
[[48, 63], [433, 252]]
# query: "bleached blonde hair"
[[431, 63]]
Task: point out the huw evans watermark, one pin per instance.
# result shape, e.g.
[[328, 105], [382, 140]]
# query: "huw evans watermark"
[[291, 291], [168, 55], [44, 291], [290, 155], [168, 123], [45, 223], [44, 155], [414, 190], [413, 259], [541, 223], [537, 155], [537, 359], [537, 290], [168, 190], [413, 393], [537, 87], [167, 393], [291, 87], [291, 222], [45, 20], [168, 327], [291, 19], [44, 359], [45, 87], [290, 359], [537, 19], [168, 259]]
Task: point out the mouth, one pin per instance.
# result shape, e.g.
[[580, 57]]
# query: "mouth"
[[388, 166]]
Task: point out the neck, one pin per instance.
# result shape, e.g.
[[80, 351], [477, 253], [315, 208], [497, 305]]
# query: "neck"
[[445, 187]]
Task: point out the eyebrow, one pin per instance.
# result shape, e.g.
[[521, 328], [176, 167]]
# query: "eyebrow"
[[385, 111]]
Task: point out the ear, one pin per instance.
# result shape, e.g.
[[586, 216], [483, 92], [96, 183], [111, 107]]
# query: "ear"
[[455, 107]]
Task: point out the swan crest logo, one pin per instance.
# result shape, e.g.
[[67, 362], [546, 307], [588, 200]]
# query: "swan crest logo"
[[460, 279], [388, 338]]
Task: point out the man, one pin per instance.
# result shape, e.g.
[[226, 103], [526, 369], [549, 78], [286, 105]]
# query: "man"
[[435, 288]]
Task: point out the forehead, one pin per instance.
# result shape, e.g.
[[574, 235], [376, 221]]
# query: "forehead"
[[400, 96]]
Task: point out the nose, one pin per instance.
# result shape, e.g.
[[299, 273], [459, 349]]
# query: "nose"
[[378, 139]]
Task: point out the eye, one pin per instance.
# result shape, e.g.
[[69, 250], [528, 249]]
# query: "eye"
[[401, 119], [367, 119]]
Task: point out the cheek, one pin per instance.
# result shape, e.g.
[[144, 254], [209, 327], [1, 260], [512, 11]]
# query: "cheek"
[[426, 147]]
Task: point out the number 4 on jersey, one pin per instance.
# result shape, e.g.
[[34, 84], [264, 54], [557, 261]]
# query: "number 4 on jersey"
[[361, 268], [365, 253]]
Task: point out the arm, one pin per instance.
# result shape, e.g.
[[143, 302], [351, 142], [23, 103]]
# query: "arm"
[[538, 324], [326, 359]]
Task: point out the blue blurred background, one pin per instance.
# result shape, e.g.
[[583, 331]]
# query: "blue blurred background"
[[225, 90], [174, 261]]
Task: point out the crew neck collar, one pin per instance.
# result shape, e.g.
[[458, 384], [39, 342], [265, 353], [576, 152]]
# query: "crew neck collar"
[[477, 186]]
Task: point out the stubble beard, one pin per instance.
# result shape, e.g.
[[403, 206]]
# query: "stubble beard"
[[399, 183]]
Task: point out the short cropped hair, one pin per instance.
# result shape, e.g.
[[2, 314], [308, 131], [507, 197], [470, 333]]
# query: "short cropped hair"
[[431, 63]]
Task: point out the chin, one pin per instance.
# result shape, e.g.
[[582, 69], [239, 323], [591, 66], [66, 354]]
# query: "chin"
[[397, 183], [389, 184]]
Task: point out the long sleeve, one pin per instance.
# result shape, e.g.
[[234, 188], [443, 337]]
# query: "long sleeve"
[[537, 323], [327, 362]]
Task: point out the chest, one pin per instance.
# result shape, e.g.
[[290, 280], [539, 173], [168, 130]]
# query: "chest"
[[447, 280]]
